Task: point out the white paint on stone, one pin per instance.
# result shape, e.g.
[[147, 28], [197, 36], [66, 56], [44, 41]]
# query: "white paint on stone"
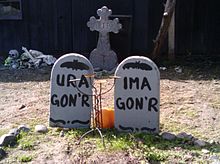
[[137, 95], [69, 108]]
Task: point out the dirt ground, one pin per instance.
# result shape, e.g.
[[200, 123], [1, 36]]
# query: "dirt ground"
[[190, 102]]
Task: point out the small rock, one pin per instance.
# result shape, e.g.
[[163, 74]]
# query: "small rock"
[[61, 133], [184, 135], [205, 151], [212, 142], [200, 143], [21, 107], [188, 157], [2, 153], [163, 68], [200, 76], [41, 129], [14, 132], [178, 69], [23, 128], [178, 148], [168, 136], [194, 139], [66, 129], [7, 140], [214, 159]]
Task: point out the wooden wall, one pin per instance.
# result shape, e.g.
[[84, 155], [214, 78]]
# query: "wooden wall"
[[197, 27], [59, 26]]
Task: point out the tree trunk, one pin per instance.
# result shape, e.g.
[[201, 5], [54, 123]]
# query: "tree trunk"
[[167, 16]]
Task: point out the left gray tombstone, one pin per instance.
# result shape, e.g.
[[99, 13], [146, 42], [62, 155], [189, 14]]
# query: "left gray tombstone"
[[70, 103]]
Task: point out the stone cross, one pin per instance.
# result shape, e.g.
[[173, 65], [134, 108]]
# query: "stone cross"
[[102, 56]]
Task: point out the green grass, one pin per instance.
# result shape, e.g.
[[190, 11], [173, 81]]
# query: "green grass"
[[143, 146], [215, 149], [25, 158], [3, 131], [26, 141]]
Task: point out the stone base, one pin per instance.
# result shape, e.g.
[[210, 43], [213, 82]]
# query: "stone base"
[[106, 60]]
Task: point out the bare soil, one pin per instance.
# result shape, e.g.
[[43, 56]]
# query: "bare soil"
[[190, 102]]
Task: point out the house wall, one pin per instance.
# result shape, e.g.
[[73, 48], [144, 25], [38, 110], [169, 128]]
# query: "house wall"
[[197, 27], [57, 27]]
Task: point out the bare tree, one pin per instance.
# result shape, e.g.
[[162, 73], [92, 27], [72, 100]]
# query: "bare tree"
[[162, 33]]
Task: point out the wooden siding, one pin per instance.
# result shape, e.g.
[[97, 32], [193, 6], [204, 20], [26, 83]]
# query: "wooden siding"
[[59, 26], [197, 27]]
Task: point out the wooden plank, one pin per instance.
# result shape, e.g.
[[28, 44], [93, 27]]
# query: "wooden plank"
[[184, 26], [141, 23], [171, 38], [63, 26]]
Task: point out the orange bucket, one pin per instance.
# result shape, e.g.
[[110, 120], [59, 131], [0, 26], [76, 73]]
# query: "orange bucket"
[[107, 118]]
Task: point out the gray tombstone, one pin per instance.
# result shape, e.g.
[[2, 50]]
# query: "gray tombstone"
[[102, 56], [69, 108], [137, 95]]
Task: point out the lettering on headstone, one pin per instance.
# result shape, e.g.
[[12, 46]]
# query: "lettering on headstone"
[[102, 56], [137, 98], [69, 107]]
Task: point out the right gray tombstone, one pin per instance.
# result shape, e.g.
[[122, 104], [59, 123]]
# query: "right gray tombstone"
[[137, 95]]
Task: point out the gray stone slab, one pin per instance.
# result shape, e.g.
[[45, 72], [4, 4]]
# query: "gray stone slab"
[[137, 95], [7, 140], [2, 153], [23, 128], [69, 108], [168, 136], [102, 56]]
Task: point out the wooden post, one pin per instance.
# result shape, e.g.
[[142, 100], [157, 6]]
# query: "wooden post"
[[171, 38], [162, 33]]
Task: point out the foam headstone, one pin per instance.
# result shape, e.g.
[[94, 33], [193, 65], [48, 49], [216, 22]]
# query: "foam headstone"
[[137, 97], [69, 107]]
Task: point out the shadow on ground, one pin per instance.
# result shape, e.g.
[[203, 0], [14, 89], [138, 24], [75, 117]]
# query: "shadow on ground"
[[25, 75], [201, 70]]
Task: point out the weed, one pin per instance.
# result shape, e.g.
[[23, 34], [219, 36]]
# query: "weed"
[[26, 140], [25, 158], [152, 155], [75, 133], [215, 149], [28, 145], [3, 131]]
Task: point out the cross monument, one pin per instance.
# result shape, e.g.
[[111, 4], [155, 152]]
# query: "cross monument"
[[102, 56]]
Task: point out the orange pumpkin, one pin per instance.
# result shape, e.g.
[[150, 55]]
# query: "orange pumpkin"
[[107, 118]]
